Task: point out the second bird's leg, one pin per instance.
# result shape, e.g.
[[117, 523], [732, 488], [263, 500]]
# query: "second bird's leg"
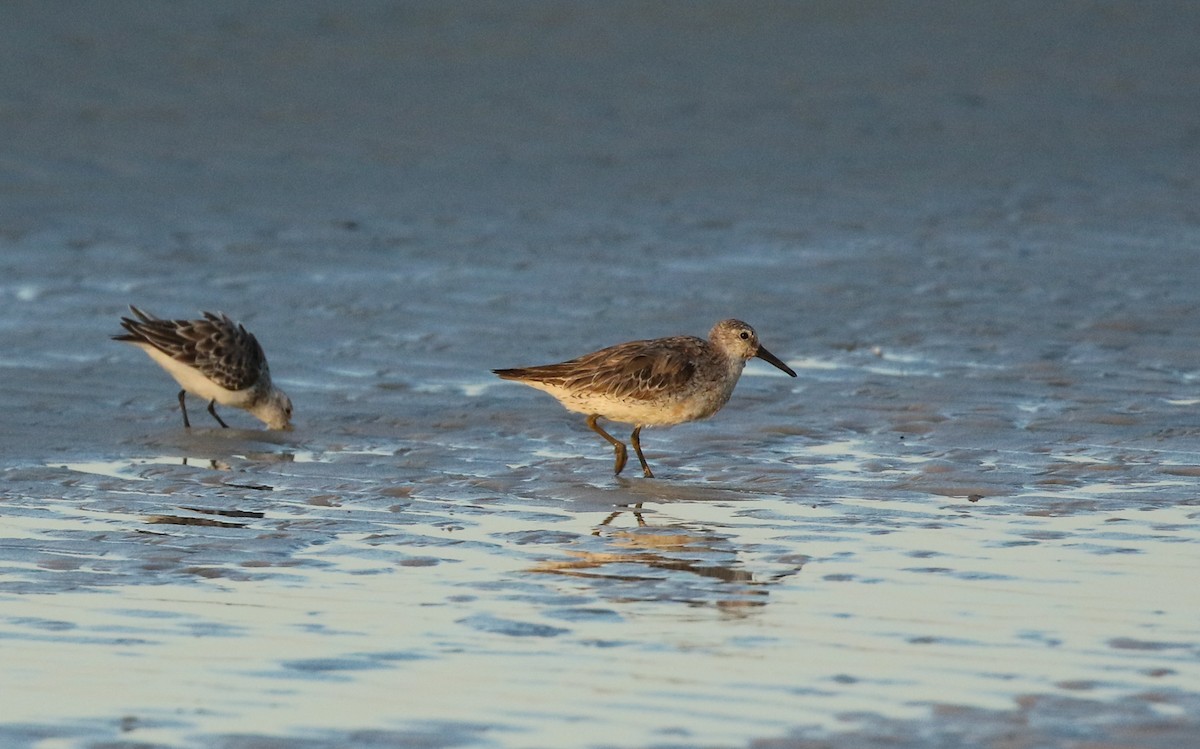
[[636, 439], [186, 424], [212, 409], [617, 444]]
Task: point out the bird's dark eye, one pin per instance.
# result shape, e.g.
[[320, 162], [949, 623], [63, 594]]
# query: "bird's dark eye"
[[744, 336]]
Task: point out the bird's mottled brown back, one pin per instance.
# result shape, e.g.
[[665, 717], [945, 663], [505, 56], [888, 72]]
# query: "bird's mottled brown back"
[[220, 348], [637, 370]]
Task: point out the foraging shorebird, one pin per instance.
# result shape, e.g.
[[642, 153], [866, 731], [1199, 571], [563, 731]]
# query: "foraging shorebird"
[[215, 359], [657, 382]]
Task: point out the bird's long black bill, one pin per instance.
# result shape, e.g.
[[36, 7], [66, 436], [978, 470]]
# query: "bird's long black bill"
[[767, 356]]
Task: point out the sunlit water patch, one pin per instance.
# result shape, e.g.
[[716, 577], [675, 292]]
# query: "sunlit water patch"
[[129, 469], [819, 581]]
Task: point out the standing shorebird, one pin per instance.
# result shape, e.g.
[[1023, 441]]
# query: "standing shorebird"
[[658, 382], [215, 359]]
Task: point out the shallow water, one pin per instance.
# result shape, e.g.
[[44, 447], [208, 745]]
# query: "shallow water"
[[971, 520]]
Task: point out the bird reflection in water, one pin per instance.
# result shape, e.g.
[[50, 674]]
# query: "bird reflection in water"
[[685, 553]]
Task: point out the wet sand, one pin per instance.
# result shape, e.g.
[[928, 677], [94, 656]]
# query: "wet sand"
[[970, 521]]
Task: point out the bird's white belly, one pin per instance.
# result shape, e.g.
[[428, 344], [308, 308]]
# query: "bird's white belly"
[[659, 412], [193, 381]]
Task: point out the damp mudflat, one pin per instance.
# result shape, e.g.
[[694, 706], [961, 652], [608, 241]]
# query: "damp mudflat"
[[972, 520]]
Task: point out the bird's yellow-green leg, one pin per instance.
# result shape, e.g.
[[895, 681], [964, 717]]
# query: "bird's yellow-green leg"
[[618, 446], [636, 439]]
